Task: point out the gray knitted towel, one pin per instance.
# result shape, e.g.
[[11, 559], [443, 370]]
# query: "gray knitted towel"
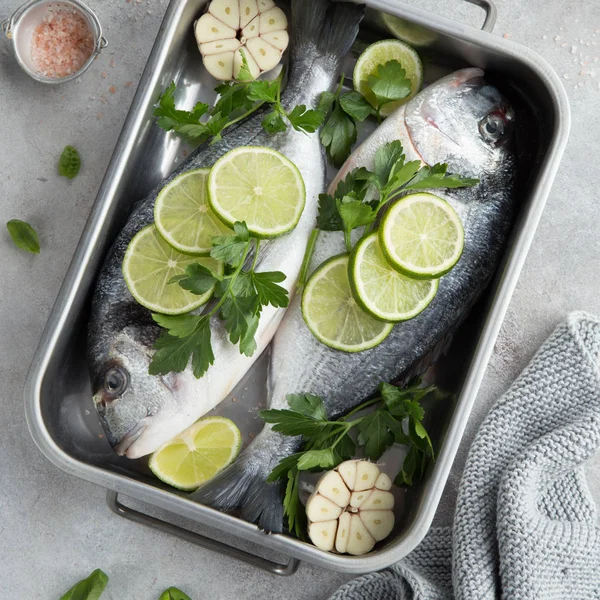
[[525, 522]]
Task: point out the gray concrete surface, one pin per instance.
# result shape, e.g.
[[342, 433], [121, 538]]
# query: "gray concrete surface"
[[55, 529]]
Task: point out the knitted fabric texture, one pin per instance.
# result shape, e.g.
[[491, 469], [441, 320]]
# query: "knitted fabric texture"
[[525, 522]]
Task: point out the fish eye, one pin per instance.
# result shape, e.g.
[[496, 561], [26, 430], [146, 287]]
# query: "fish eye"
[[116, 381], [493, 127]]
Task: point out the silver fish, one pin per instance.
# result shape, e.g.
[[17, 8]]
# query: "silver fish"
[[460, 120], [140, 412]]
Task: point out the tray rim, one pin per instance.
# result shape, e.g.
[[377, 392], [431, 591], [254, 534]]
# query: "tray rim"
[[93, 233]]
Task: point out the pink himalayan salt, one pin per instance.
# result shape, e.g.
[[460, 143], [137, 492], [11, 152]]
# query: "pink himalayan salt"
[[61, 44]]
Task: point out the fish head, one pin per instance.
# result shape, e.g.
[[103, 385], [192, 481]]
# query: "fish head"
[[138, 411], [463, 121]]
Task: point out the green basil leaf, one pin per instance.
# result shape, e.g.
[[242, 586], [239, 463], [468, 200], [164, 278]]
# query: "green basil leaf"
[[24, 236], [90, 588], [70, 162]]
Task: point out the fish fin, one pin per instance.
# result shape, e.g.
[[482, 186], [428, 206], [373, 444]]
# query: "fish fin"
[[244, 483], [333, 27]]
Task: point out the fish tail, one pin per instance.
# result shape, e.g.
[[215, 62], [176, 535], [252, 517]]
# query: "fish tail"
[[244, 485], [331, 27]]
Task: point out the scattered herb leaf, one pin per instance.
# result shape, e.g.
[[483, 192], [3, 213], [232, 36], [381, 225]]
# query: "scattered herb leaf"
[[389, 84], [90, 588], [69, 163], [24, 236], [174, 594]]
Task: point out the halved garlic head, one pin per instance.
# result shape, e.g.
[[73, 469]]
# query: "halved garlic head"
[[351, 508], [255, 28]]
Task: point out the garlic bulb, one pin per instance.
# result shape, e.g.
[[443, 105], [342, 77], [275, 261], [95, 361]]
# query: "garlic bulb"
[[257, 28], [351, 508]]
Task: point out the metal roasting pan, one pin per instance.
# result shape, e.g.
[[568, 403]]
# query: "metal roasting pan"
[[58, 402]]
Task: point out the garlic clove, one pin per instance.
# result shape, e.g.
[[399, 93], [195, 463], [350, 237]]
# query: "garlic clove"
[[279, 39], [347, 470], [227, 11], [383, 482], [220, 66], [264, 5], [267, 57], [273, 20], [323, 534], [360, 541], [378, 500], [319, 508], [332, 486], [251, 30], [209, 29], [219, 46], [379, 523], [358, 498], [366, 475], [343, 533], [248, 10], [237, 64]]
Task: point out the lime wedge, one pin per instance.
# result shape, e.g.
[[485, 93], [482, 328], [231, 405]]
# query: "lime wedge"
[[383, 292], [422, 236], [333, 316], [197, 454], [380, 53], [150, 263], [183, 216], [259, 186]]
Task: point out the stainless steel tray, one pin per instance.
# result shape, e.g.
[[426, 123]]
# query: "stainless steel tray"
[[58, 403]]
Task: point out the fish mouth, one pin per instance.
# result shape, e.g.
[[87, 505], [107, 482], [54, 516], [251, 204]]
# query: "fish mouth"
[[130, 438]]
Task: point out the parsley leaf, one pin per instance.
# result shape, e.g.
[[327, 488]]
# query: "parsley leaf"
[[268, 291], [263, 91], [305, 120], [173, 353], [375, 435], [244, 75], [171, 118], [355, 214], [325, 459], [273, 122], [292, 423], [197, 279], [294, 509], [230, 248], [241, 315], [388, 157], [356, 106], [338, 135], [389, 83], [308, 405], [435, 177], [329, 218]]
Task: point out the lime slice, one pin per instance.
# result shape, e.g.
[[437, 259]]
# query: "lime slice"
[[259, 186], [411, 33], [150, 263], [197, 454], [383, 292], [333, 316], [378, 54], [183, 216], [422, 236]]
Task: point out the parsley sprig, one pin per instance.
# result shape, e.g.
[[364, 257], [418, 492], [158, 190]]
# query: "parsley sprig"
[[397, 419], [241, 294], [344, 111], [360, 197], [237, 101]]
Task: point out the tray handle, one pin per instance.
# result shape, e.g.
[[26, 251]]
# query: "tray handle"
[[131, 514], [491, 13]]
